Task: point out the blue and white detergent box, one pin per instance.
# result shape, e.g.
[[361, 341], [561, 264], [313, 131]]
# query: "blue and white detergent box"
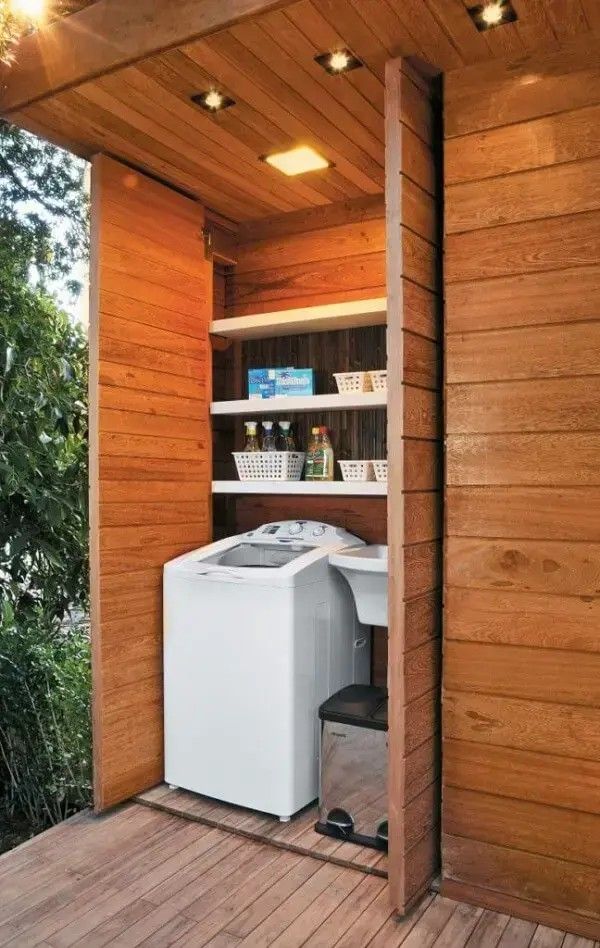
[[261, 383], [294, 382]]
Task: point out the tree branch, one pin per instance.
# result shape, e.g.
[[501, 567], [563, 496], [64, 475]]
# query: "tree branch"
[[10, 173]]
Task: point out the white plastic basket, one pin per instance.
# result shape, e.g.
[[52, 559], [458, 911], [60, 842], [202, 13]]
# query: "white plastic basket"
[[380, 469], [357, 470], [378, 380], [269, 465], [352, 381]]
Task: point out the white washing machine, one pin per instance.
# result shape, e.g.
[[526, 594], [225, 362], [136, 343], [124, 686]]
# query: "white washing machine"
[[258, 631]]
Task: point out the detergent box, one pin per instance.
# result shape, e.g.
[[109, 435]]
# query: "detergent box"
[[294, 382], [261, 383]]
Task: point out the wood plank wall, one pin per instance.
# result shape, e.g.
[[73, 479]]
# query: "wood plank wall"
[[414, 498], [522, 631], [330, 254], [150, 452]]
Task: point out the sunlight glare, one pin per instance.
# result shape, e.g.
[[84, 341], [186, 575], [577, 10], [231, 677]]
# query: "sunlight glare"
[[32, 10]]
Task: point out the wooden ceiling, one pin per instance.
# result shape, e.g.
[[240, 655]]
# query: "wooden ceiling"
[[58, 8], [143, 114]]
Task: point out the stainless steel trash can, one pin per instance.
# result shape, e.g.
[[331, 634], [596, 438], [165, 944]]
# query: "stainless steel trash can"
[[353, 766]]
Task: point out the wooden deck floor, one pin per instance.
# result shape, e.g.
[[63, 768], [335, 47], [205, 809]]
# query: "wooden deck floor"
[[140, 876], [298, 835]]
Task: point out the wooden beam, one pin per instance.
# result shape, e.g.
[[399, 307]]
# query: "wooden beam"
[[414, 611], [109, 35], [395, 531]]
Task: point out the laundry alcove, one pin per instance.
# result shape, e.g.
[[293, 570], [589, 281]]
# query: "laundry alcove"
[[463, 174]]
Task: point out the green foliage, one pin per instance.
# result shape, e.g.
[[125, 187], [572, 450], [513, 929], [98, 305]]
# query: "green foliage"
[[44, 642], [44, 718], [43, 453], [44, 208]]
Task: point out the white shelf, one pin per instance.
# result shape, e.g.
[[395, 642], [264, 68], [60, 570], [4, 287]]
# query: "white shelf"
[[372, 312], [289, 404], [330, 488]]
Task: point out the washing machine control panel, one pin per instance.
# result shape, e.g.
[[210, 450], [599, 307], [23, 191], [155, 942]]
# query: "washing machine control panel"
[[310, 531]]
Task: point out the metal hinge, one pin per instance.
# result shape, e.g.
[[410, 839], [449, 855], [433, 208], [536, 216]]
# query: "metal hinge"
[[206, 234]]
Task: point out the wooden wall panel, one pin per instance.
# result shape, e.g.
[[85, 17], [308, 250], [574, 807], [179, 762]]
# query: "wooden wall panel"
[[356, 514], [521, 705], [545, 513], [551, 191], [563, 404], [547, 459], [523, 618], [150, 446], [560, 296], [503, 93], [506, 149], [527, 880], [414, 498], [336, 257]]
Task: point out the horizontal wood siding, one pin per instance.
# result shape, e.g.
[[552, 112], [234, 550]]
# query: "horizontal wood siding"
[[150, 369], [414, 501], [336, 257], [521, 716]]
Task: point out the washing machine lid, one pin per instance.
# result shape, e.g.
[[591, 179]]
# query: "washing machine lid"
[[286, 553], [252, 555]]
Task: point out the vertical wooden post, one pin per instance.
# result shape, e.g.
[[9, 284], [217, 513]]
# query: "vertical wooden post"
[[395, 356], [414, 507]]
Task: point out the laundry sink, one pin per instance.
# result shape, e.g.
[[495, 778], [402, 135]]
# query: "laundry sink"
[[366, 570]]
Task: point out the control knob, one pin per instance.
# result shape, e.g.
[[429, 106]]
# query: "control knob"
[[295, 528]]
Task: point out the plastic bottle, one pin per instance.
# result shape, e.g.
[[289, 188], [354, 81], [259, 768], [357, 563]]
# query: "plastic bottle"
[[285, 438], [310, 455], [251, 437], [268, 441], [329, 456], [323, 465]]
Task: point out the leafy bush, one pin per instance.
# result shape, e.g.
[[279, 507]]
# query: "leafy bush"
[[44, 719], [43, 453], [44, 642]]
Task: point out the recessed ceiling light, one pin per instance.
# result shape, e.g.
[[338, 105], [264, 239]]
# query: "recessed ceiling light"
[[297, 160], [495, 13], [338, 61], [212, 100]]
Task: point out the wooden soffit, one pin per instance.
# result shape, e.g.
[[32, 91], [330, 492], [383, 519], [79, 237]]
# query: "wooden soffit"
[[110, 34], [125, 90]]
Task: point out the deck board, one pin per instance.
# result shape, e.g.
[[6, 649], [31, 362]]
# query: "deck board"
[[140, 876], [298, 835]]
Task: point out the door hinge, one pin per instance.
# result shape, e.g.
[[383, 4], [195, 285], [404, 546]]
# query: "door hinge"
[[206, 234]]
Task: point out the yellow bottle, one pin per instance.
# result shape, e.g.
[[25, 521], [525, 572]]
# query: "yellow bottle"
[[251, 436]]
